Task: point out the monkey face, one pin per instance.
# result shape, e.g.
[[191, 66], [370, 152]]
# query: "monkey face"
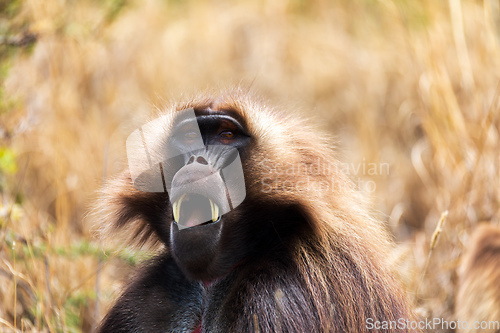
[[198, 165]]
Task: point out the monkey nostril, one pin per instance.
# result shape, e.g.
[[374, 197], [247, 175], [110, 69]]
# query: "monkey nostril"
[[201, 160], [198, 159]]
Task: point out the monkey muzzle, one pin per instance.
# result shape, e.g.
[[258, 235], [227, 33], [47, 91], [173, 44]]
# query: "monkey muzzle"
[[198, 195], [208, 186]]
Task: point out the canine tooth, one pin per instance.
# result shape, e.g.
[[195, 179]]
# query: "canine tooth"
[[216, 213], [211, 208], [176, 207]]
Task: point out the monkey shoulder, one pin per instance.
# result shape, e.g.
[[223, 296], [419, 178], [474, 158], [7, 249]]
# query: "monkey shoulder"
[[159, 299]]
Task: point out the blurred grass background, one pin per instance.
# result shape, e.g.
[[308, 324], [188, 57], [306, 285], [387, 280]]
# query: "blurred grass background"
[[414, 84]]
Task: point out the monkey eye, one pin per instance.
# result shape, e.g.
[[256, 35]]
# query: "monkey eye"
[[226, 134]]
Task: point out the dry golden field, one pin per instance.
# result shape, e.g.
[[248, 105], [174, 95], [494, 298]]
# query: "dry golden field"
[[410, 89]]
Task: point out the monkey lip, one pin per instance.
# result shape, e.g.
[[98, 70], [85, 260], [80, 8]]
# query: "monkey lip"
[[192, 209]]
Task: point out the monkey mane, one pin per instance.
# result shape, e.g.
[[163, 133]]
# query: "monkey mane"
[[339, 251]]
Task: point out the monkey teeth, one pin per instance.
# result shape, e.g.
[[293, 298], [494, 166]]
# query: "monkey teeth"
[[215, 211], [176, 207]]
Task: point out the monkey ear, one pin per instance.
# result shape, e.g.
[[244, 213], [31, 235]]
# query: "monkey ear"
[[121, 207]]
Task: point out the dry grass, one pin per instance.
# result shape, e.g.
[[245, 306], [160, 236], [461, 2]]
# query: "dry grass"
[[414, 84]]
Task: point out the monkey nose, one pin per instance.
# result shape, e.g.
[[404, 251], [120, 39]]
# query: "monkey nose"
[[199, 159]]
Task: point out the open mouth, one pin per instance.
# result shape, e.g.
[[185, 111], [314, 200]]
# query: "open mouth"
[[194, 209]]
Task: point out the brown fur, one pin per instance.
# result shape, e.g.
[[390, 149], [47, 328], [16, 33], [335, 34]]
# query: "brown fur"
[[478, 297], [340, 275]]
